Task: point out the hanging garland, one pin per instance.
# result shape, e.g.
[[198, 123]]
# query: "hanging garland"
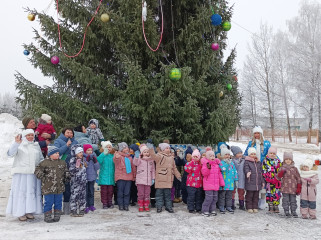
[[144, 15], [83, 42]]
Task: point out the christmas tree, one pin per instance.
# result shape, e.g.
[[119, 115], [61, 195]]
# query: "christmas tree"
[[120, 81]]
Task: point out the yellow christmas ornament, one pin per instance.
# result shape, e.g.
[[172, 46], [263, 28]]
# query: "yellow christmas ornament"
[[31, 17], [104, 17], [221, 93]]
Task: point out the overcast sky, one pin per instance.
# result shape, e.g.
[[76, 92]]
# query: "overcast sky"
[[17, 29]]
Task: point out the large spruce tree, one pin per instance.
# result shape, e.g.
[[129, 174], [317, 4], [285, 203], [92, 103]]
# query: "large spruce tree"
[[126, 86]]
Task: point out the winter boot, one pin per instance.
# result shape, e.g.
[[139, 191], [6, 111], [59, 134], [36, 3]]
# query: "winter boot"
[[287, 213], [222, 210], [66, 208], [271, 208], [74, 213], [81, 213], [87, 209], [57, 214], [176, 200], [141, 205], [126, 208], [170, 210], [262, 204], [230, 210], [276, 208], [294, 214], [233, 204], [241, 202], [121, 208], [48, 218], [146, 205], [206, 214]]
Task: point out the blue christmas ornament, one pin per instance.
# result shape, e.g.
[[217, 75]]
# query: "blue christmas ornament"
[[26, 52], [216, 19]]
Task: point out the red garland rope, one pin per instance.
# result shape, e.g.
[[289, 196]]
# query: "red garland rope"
[[83, 42], [161, 37]]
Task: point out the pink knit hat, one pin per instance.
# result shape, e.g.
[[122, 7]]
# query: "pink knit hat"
[[209, 153], [142, 148], [195, 153], [272, 150]]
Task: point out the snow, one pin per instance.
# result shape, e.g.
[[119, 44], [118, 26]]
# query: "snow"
[[113, 224]]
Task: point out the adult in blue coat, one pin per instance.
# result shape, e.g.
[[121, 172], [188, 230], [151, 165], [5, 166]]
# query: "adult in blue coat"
[[82, 137], [64, 143], [262, 147]]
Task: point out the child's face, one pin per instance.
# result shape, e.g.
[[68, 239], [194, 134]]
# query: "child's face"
[[55, 156], [239, 155], [110, 148], [253, 155], [196, 158], [30, 137], [167, 150], [288, 161], [188, 157], [146, 153], [49, 122], [80, 155], [92, 126], [305, 168], [257, 135], [272, 155], [89, 151], [227, 156], [84, 130], [212, 157], [203, 155], [131, 151], [125, 150]]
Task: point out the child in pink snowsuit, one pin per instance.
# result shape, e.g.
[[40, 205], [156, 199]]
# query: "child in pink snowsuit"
[[309, 178], [145, 176], [212, 180]]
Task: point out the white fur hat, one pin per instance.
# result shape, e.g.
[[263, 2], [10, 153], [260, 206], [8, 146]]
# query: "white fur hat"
[[308, 162], [104, 144], [26, 132], [78, 150], [257, 129], [45, 117], [224, 151], [251, 150]]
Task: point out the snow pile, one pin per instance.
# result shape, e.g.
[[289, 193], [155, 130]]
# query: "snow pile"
[[10, 127]]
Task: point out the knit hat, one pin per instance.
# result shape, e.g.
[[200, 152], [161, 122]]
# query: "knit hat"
[[287, 155], [143, 147], [272, 149], [257, 129], [26, 132], [196, 153], [235, 150], [78, 150], [209, 153], [78, 128], [251, 150], [26, 120], [163, 146], [308, 162], [45, 117], [224, 151], [134, 147], [208, 148], [86, 147], [52, 150], [104, 144], [122, 146]]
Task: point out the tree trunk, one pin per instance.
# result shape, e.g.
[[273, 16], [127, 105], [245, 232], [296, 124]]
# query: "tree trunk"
[[287, 113], [310, 123], [319, 114], [270, 112]]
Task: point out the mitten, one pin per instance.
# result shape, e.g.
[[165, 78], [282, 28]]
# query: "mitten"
[[236, 184], [95, 159], [248, 174], [137, 153], [308, 179], [88, 158], [208, 165], [282, 172], [298, 189], [153, 181]]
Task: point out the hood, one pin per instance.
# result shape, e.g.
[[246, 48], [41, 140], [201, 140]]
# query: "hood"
[[95, 121]]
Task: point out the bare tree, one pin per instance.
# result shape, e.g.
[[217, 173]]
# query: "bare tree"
[[306, 29]]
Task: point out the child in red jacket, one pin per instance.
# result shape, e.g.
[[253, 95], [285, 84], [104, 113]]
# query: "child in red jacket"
[[194, 183], [44, 126]]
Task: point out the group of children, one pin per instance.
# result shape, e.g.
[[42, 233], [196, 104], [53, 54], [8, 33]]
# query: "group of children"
[[212, 179]]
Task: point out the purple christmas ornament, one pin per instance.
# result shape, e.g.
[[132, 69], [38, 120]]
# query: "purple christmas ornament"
[[55, 60], [215, 46]]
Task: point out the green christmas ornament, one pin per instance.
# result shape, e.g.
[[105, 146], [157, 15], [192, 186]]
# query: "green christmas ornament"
[[175, 74], [226, 26], [229, 86]]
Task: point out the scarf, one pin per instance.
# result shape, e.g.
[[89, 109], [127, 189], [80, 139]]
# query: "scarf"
[[128, 165], [228, 161], [308, 174]]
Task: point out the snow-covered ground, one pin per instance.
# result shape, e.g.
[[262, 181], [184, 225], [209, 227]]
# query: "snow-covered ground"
[[113, 224]]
